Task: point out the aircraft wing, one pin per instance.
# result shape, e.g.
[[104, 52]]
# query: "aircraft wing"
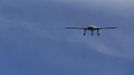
[[107, 28], [75, 28]]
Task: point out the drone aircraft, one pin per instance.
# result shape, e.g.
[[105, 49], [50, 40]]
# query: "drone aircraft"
[[91, 28]]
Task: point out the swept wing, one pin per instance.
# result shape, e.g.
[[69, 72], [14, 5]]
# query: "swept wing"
[[75, 27], [107, 28]]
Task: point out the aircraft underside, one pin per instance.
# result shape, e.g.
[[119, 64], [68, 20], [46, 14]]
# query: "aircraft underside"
[[92, 32]]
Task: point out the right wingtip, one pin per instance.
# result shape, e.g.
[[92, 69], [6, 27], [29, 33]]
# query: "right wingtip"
[[66, 27]]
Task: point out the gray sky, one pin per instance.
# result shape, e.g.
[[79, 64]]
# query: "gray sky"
[[34, 41]]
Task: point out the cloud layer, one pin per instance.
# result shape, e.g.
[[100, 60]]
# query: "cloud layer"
[[121, 11], [34, 41]]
